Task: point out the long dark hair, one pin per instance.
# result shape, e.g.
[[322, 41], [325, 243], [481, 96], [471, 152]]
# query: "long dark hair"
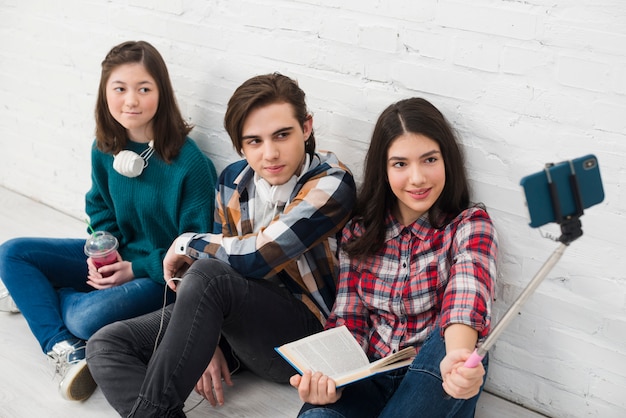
[[376, 198], [170, 129], [261, 91]]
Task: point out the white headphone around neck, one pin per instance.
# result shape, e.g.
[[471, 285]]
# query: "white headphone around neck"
[[279, 194], [130, 164], [276, 195]]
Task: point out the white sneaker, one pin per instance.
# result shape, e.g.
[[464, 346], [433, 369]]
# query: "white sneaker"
[[7, 304], [69, 362]]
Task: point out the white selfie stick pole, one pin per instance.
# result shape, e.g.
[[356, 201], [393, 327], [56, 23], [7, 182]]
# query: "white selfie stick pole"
[[481, 351]]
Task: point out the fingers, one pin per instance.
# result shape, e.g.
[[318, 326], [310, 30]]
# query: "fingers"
[[97, 281], [205, 388], [110, 275], [90, 264], [463, 382], [218, 389], [316, 388], [171, 283], [225, 373], [210, 385], [212, 388], [295, 380], [305, 385]]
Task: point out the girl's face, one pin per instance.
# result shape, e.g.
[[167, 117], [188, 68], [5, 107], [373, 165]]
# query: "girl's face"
[[416, 175], [133, 98], [272, 140]]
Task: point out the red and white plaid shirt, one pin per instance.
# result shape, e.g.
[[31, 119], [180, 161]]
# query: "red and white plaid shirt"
[[421, 277]]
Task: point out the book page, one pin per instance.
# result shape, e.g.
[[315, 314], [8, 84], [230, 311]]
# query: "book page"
[[332, 352], [405, 353]]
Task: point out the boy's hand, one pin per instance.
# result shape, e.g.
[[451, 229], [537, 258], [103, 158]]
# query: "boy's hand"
[[210, 384], [174, 265]]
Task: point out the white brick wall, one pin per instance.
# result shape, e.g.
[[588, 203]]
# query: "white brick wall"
[[524, 82]]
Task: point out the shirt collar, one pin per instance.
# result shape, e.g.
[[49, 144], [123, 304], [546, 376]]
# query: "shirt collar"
[[421, 228]]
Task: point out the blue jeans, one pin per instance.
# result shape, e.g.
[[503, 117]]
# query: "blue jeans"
[[47, 277], [213, 300], [414, 391]]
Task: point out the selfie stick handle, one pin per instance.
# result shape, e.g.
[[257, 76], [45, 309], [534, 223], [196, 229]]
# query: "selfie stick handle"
[[481, 351]]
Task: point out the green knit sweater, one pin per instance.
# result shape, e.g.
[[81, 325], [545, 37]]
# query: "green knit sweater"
[[147, 213]]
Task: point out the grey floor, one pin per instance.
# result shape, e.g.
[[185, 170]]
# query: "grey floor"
[[27, 385]]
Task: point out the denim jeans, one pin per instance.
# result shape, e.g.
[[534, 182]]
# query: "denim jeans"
[[414, 391], [254, 316], [47, 277]]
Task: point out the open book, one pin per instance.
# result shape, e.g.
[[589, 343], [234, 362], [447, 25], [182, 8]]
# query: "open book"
[[338, 355]]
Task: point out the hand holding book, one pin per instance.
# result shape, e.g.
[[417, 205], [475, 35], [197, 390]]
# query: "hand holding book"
[[336, 354]]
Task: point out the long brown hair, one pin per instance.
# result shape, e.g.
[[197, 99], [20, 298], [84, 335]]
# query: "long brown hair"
[[170, 129], [376, 198], [261, 91]]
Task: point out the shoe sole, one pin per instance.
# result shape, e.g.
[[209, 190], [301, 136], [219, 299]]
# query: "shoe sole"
[[78, 384]]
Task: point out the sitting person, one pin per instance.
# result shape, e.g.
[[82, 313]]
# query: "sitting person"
[[417, 269], [266, 275], [62, 294]]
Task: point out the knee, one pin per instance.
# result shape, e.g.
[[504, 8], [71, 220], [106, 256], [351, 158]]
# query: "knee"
[[112, 337], [82, 316], [210, 267], [78, 327], [11, 251], [13, 248], [203, 273]]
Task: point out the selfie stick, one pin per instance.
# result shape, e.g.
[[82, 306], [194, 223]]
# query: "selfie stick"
[[570, 230]]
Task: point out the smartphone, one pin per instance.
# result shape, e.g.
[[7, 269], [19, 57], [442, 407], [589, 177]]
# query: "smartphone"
[[557, 178]]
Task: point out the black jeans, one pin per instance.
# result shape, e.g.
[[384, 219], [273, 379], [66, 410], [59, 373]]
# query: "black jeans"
[[253, 315]]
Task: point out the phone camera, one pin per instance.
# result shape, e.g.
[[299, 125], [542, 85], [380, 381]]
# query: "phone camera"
[[589, 164]]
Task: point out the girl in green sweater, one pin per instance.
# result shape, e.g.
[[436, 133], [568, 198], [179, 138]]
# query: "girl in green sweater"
[[150, 183]]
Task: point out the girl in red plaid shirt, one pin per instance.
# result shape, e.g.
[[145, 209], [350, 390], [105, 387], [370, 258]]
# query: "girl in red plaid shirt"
[[418, 268]]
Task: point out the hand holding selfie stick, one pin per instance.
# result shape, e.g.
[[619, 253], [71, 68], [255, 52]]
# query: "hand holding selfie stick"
[[570, 230]]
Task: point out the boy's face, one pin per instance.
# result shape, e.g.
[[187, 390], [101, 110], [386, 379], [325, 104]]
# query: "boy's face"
[[273, 142]]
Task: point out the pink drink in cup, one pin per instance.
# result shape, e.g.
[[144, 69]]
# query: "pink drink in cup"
[[101, 246]]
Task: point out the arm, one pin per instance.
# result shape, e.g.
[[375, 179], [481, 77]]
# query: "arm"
[[99, 209], [470, 284], [467, 302], [320, 208], [98, 201]]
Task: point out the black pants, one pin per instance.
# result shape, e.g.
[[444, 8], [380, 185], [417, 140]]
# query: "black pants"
[[253, 315]]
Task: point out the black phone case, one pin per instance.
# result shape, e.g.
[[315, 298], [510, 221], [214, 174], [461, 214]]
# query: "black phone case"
[[537, 189]]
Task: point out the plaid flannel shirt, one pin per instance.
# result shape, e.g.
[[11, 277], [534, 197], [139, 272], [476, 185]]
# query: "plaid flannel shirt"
[[422, 278], [300, 243]]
